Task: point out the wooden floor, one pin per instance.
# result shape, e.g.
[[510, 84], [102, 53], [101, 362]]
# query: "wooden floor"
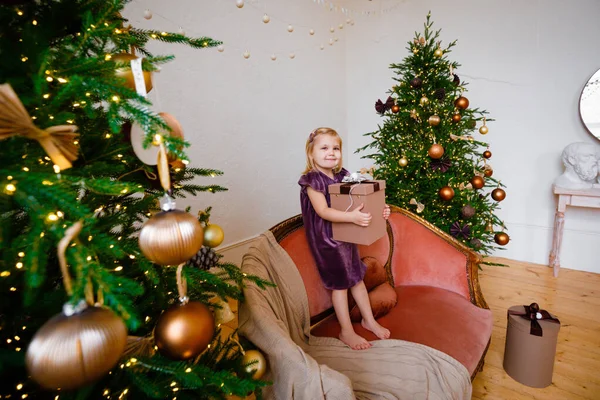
[[574, 297]]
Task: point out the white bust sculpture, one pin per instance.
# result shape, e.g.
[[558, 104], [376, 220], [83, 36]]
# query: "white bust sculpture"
[[581, 166]]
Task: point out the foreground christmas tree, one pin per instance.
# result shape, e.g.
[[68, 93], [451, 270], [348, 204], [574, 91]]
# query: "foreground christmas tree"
[[426, 152], [107, 290]]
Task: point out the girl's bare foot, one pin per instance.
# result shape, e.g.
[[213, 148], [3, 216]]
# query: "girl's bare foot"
[[355, 341], [378, 330]]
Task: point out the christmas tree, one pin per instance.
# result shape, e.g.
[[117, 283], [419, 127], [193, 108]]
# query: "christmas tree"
[[426, 151], [102, 293]]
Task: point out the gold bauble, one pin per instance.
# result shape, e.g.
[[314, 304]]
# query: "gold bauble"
[[461, 102], [487, 154], [477, 182], [446, 193], [424, 100], [73, 351], [403, 162], [177, 164], [501, 238], [258, 369], [484, 130], [436, 151], [171, 237], [438, 53], [456, 117], [127, 74], [434, 120], [184, 331], [395, 108], [213, 235], [488, 172], [498, 194]]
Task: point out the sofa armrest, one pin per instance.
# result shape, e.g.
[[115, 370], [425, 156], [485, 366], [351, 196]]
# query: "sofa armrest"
[[422, 254]]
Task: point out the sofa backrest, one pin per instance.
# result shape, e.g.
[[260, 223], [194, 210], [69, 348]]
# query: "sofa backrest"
[[290, 235], [423, 257]]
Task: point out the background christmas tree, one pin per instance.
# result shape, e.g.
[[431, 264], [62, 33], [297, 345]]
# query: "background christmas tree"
[[426, 152], [68, 101]]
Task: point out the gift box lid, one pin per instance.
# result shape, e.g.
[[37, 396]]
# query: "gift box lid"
[[364, 187], [549, 327]]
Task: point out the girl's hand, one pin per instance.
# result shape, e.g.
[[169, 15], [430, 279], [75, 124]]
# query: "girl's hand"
[[386, 212], [360, 218]]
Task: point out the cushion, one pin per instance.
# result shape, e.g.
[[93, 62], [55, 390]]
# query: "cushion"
[[382, 295], [438, 318]]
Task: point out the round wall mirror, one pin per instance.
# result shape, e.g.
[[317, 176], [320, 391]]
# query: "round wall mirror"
[[589, 105]]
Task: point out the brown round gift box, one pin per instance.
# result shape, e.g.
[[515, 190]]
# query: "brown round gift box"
[[529, 359]]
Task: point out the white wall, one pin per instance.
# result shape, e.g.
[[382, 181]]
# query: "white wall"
[[526, 63], [249, 118]]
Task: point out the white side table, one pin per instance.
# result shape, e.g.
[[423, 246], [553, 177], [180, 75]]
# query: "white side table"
[[574, 198]]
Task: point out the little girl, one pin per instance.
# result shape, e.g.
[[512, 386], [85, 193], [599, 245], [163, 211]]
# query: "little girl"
[[339, 264]]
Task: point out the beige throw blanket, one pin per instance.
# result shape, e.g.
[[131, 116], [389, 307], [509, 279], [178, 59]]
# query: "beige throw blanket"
[[305, 367]]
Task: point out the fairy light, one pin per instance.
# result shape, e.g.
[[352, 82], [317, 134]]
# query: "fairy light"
[[132, 256], [188, 370], [62, 80], [47, 95], [10, 188], [19, 13], [49, 78], [56, 169], [119, 268], [115, 99], [173, 383], [107, 57], [107, 136], [25, 169], [4, 274], [119, 155], [19, 265]]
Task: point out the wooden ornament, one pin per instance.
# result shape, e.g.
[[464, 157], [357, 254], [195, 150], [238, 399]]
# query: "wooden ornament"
[[184, 331], [478, 182], [127, 74], [498, 194], [501, 238], [171, 237], [259, 366], [213, 235], [461, 102], [436, 151], [69, 352], [434, 120], [446, 193]]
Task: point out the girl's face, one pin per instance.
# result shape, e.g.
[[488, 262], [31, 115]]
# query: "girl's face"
[[326, 153]]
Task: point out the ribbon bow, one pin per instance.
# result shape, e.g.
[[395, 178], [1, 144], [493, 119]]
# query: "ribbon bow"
[[465, 137], [420, 206], [355, 177], [57, 141], [382, 107], [533, 313], [459, 231], [468, 186]]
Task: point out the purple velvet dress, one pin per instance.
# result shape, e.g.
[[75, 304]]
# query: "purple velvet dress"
[[339, 263]]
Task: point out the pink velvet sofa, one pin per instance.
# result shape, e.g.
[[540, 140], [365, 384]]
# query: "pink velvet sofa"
[[440, 303]]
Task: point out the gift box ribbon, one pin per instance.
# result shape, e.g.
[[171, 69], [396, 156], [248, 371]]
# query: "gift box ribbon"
[[533, 313], [346, 187]]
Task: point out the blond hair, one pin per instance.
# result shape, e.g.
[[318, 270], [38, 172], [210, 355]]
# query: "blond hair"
[[310, 142]]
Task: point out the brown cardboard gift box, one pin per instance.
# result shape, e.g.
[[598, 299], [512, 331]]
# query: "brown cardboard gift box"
[[528, 357], [347, 197]]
